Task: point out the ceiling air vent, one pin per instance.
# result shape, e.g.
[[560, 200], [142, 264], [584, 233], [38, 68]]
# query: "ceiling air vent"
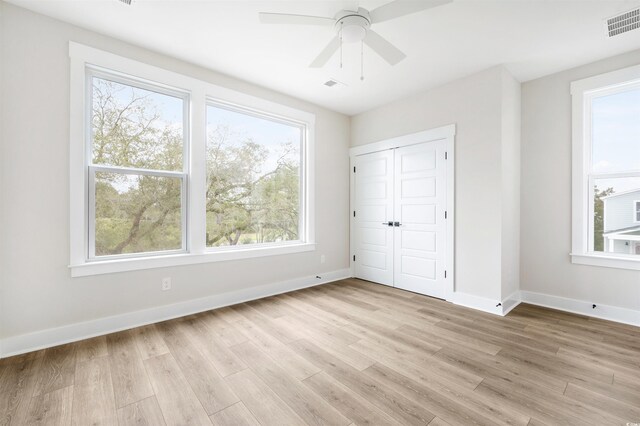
[[333, 82], [623, 23], [126, 2]]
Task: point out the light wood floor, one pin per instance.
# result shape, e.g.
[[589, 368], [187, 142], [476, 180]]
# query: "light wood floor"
[[346, 353]]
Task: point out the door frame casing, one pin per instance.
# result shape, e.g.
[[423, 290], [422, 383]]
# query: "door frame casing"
[[446, 133]]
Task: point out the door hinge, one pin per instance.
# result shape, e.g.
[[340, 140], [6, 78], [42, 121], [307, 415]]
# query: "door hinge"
[[445, 274], [445, 155], [354, 213], [354, 257], [445, 214], [354, 169]]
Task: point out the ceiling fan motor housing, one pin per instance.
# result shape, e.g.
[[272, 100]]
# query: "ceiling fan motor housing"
[[352, 26]]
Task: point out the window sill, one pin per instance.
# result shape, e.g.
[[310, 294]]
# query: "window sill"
[[134, 264], [608, 261]]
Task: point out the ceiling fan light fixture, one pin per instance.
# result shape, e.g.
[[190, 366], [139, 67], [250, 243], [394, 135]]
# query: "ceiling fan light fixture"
[[352, 29], [353, 33]]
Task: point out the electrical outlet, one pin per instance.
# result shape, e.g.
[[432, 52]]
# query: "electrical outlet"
[[323, 258], [166, 283]]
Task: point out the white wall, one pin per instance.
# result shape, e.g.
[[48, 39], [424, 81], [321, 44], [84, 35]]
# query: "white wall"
[[3, 204], [510, 185], [546, 196], [37, 292], [475, 104]]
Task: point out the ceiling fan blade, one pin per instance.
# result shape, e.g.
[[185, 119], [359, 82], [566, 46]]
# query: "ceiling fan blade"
[[382, 47], [398, 8], [326, 53], [283, 18]]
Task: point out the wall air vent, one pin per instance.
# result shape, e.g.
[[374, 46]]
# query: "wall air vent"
[[623, 23]]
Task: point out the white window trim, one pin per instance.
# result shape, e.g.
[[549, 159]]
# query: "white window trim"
[[582, 92], [200, 92]]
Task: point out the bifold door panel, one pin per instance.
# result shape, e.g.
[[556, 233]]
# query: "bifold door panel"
[[400, 225], [374, 209], [419, 205]]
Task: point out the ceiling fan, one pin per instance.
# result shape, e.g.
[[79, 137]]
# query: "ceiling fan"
[[355, 26]]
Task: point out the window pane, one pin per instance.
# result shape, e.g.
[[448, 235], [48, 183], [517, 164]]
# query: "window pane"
[[616, 132], [253, 179], [137, 213], [615, 227], [133, 127]]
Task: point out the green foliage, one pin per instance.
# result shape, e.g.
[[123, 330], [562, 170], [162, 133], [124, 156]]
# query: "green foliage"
[[598, 217], [244, 200], [134, 213], [137, 214], [128, 130], [246, 203]]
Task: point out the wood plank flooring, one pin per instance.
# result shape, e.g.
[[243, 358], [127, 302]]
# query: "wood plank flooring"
[[346, 353]]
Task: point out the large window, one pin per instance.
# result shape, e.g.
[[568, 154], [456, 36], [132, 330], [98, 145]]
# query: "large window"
[[253, 178], [606, 169], [137, 174], [170, 170]]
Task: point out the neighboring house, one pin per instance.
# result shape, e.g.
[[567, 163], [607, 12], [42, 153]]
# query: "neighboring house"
[[622, 222]]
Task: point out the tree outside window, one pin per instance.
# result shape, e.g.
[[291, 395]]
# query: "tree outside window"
[[253, 178]]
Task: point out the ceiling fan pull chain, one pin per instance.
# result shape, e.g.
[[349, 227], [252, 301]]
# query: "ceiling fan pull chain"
[[341, 26], [362, 60]]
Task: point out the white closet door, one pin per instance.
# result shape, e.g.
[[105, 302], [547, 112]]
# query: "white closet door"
[[420, 204], [374, 209]]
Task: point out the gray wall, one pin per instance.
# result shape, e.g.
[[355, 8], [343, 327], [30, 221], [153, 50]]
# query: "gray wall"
[[546, 196], [37, 291]]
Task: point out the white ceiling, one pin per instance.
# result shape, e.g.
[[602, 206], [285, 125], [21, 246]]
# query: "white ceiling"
[[532, 38]]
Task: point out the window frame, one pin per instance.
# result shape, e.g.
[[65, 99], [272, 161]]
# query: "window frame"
[[582, 93], [636, 211], [92, 72], [83, 61]]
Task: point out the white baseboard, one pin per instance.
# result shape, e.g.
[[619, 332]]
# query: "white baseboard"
[[510, 302], [476, 302], [487, 305], [607, 312], [73, 332]]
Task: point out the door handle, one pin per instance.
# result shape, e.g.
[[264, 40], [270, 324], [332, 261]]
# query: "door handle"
[[388, 223], [397, 224]]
